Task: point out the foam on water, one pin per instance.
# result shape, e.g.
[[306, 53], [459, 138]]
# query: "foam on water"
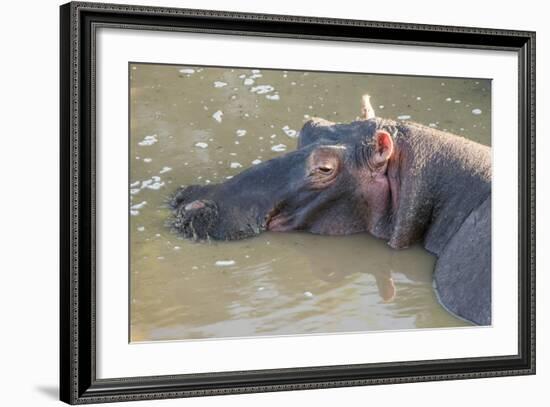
[[225, 263], [148, 140], [290, 132], [262, 89], [279, 148], [156, 185], [218, 116], [139, 205]]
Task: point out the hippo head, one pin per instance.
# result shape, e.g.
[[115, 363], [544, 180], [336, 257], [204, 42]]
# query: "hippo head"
[[334, 183]]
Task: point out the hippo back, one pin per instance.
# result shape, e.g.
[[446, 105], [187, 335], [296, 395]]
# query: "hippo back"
[[462, 275]]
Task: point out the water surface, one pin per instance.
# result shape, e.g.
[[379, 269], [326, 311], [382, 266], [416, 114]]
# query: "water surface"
[[200, 125]]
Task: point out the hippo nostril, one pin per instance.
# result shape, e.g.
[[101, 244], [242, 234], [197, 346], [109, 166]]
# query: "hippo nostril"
[[197, 219], [194, 205]]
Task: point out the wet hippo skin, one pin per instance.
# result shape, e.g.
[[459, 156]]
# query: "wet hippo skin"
[[399, 181]]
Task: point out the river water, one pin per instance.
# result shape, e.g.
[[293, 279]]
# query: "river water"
[[200, 125]]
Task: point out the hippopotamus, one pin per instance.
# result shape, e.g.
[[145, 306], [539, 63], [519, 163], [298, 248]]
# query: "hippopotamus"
[[400, 181]]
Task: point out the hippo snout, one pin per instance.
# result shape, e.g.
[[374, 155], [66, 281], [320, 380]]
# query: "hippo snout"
[[196, 219], [195, 214]]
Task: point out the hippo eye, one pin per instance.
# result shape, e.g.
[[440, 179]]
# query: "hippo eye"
[[325, 169], [323, 165]]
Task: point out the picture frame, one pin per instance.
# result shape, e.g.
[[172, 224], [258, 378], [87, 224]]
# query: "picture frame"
[[79, 352]]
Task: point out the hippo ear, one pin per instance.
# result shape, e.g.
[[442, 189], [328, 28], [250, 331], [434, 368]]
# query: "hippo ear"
[[383, 147]]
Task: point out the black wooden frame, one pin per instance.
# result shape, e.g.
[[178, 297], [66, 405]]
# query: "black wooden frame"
[[78, 382]]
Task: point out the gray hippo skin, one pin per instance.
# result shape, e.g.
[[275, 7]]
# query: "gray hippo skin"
[[399, 181]]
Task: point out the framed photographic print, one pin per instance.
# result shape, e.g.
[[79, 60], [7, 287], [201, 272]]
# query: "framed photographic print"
[[256, 203]]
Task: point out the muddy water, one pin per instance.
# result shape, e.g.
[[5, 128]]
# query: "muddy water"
[[199, 125]]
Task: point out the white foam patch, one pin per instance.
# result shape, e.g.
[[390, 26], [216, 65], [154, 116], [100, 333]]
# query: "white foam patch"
[[235, 165], [156, 185], [290, 132], [225, 263], [476, 111], [404, 117], [240, 132], [273, 97], [148, 140], [279, 148], [201, 144], [153, 183], [220, 84], [147, 160], [218, 116], [262, 89], [256, 162], [165, 169], [188, 71], [248, 81], [139, 205]]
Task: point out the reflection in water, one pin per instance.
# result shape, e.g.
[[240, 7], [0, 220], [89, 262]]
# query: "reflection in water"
[[192, 125]]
